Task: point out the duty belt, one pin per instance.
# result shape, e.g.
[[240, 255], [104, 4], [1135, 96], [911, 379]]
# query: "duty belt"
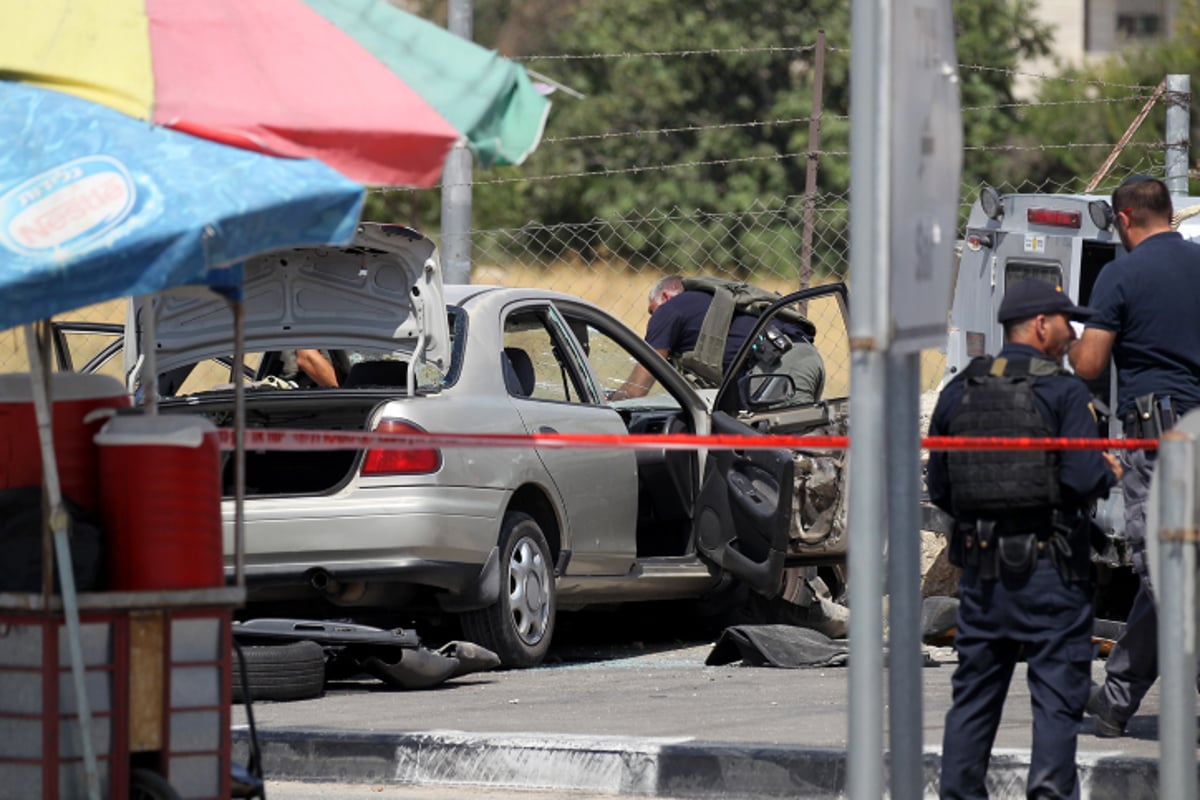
[[1151, 417], [1006, 547]]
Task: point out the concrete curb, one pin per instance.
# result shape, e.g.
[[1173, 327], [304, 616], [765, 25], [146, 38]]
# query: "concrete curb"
[[635, 767]]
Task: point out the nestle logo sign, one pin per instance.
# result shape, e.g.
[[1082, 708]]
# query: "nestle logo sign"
[[66, 207]]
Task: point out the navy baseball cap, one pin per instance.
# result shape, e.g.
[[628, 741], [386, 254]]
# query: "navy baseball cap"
[[1031, 297], [1132, 179]]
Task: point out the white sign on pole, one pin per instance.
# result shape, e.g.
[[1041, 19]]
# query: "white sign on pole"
[[925, 169]]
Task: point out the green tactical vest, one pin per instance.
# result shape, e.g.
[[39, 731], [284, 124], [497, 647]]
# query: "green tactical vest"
[[729, 298]]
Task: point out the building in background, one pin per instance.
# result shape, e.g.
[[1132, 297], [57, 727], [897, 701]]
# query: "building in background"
[[1086, 30]]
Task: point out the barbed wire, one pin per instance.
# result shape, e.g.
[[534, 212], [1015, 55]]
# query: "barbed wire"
[[717, 51], [1010, 72], [608, 173], [1133, 98], [1050, 103], [709, 51], [1016, 148], [788, 204], [824, 117], [689, 129]]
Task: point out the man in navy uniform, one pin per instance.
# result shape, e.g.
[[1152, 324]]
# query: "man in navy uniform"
[[1022, 537], [1147, 318], [677, 323]]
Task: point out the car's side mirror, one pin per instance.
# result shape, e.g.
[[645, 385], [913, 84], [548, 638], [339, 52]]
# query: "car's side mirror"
[[765, 390]]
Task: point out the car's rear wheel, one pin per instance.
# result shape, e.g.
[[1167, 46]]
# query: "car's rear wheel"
[[518, 627]]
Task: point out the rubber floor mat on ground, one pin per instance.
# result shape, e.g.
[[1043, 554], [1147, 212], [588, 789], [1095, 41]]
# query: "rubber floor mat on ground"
[[778, 646]]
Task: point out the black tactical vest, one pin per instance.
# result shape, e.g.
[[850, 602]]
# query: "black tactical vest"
[[998, 401]]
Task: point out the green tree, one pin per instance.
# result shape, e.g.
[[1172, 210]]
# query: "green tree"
[[696, 114], [698, 111], [1097, 104], [993, 37]]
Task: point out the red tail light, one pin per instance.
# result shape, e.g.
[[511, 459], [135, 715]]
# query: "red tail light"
[[1048, 216], [409, 461]]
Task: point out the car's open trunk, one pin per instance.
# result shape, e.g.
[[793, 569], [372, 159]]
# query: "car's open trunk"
[[289, 472]]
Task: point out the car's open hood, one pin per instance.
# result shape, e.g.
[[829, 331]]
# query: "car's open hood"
[[383, 291]]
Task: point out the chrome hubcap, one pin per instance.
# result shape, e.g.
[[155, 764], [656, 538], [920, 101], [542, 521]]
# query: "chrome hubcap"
[[528, 591]]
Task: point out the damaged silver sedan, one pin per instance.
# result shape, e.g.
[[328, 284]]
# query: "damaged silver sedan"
[[499, 538]]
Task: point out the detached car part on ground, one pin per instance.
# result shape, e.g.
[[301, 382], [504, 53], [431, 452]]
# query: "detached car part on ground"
[[291, 659], [500, 538]]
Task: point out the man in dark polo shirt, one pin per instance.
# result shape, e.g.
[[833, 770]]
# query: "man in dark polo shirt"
[[676, 319], [1147, 305]]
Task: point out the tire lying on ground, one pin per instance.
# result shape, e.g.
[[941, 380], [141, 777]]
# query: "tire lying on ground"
[[146, 784], [292, 671]]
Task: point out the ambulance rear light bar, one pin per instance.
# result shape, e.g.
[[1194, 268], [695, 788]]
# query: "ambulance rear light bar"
[[1049, 216]]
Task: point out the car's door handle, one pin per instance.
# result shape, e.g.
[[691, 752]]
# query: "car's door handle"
[[546, 429]]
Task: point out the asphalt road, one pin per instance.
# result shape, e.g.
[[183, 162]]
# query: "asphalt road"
[[664, 692], [619, 693], [297, 790]]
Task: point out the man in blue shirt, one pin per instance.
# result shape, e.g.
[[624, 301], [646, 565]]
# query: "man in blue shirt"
[[676, 319], [1147, 318], [1021, 536]]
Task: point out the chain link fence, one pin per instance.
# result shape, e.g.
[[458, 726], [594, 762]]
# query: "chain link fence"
[[768, 253], [578, 259]]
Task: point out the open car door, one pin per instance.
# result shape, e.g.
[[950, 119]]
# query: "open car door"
[[749, 398], [744, 508], [744, 522]]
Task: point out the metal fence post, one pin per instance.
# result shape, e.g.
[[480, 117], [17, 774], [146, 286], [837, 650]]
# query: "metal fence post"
[[904, 577], [869, 338], [1179, 96], [456, 179], [1177, 613], [811, 165]]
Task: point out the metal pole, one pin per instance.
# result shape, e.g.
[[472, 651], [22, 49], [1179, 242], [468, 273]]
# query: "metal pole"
[[239, 445], [149, 354], [59, 523], [1177, 614], [1179, 97], [810, 166], [456, 179], [904, 576], [870, 26]]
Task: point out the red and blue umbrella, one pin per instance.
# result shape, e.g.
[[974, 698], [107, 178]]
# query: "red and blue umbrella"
[[95, 205], [150, 143], [241, 97], [375, 92]]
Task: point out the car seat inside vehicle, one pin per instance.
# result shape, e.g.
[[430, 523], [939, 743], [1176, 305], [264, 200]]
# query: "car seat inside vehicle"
[[518, 372]]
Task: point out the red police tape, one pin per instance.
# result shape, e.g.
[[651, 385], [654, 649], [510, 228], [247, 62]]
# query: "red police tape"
[[295, 439]]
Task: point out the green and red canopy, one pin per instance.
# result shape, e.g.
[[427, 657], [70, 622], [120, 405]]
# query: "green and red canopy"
[[377, 93]]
